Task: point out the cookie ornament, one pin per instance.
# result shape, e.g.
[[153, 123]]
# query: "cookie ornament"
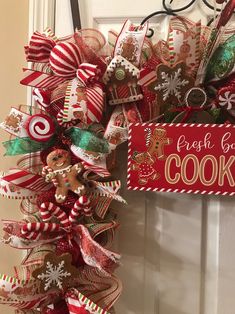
[[171, 85], [194, 111], [63, 175], [57, 272]]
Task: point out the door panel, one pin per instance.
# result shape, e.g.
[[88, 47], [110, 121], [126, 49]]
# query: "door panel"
[[177, 251]]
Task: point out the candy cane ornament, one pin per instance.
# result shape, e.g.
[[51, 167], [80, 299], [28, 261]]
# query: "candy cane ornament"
[[148, 135], [48, 210], [85, 204], [82, 206], [33, 230]]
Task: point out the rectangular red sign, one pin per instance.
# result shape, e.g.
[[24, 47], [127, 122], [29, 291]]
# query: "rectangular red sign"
[[190, 158]]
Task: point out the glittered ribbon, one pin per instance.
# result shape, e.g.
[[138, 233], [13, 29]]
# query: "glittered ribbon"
[[87, 140], [19, 146]]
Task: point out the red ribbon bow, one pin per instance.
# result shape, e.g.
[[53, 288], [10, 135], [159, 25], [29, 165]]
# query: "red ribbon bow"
[[188, 111]]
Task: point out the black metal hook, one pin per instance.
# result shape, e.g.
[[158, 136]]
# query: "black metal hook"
[[210, 6], [167, 12], [170, 11], [75, 14], [179, 9]]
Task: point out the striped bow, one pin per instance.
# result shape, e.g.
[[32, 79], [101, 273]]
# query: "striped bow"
[[40, 46], [88, 73], [65, 60]]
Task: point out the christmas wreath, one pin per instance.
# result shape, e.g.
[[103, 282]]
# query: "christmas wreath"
[[86, 92]]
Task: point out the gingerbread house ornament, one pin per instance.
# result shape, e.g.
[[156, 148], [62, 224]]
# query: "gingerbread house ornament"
[[121, 79]]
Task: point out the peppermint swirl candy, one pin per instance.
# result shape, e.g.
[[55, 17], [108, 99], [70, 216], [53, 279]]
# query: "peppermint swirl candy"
[[65, 59], [227, 99], [40, 127]]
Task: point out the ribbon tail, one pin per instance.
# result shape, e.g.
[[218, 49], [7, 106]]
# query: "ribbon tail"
[[18, 293], [40, 79], [27, 180], [77, 302], [94, 254]]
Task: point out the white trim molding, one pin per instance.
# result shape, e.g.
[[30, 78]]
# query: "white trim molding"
[[41, 15]]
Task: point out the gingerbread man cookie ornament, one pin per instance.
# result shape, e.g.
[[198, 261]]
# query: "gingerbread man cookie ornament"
[[63, 175], [194, 111]]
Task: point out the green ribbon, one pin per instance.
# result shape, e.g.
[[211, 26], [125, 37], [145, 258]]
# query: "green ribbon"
[[84, 139], [87, 140], [25, 145], [222, 61]]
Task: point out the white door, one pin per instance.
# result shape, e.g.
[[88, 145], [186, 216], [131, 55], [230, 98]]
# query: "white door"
[[178, 250]]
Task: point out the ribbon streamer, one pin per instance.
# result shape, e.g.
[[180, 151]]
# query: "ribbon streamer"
[[26, 145], [87, 140]]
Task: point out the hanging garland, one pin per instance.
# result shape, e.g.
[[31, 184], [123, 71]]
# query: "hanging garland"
[[86, 93]]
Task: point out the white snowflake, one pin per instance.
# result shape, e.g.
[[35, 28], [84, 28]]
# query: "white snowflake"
[[172, 84], [54, 275]]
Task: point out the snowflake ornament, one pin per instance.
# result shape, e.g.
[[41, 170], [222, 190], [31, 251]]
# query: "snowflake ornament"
[[172, 84], [54, 275], [56, 272]]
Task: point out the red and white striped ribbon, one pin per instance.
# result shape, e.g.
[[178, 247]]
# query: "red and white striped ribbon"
[[87, 73], [48, 210], [60, 120], [78, 303], [26, 180], [95, 103], [147, 76], [33, 230], [39, 48], [65, 59], [40, 79], [42, 97]]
